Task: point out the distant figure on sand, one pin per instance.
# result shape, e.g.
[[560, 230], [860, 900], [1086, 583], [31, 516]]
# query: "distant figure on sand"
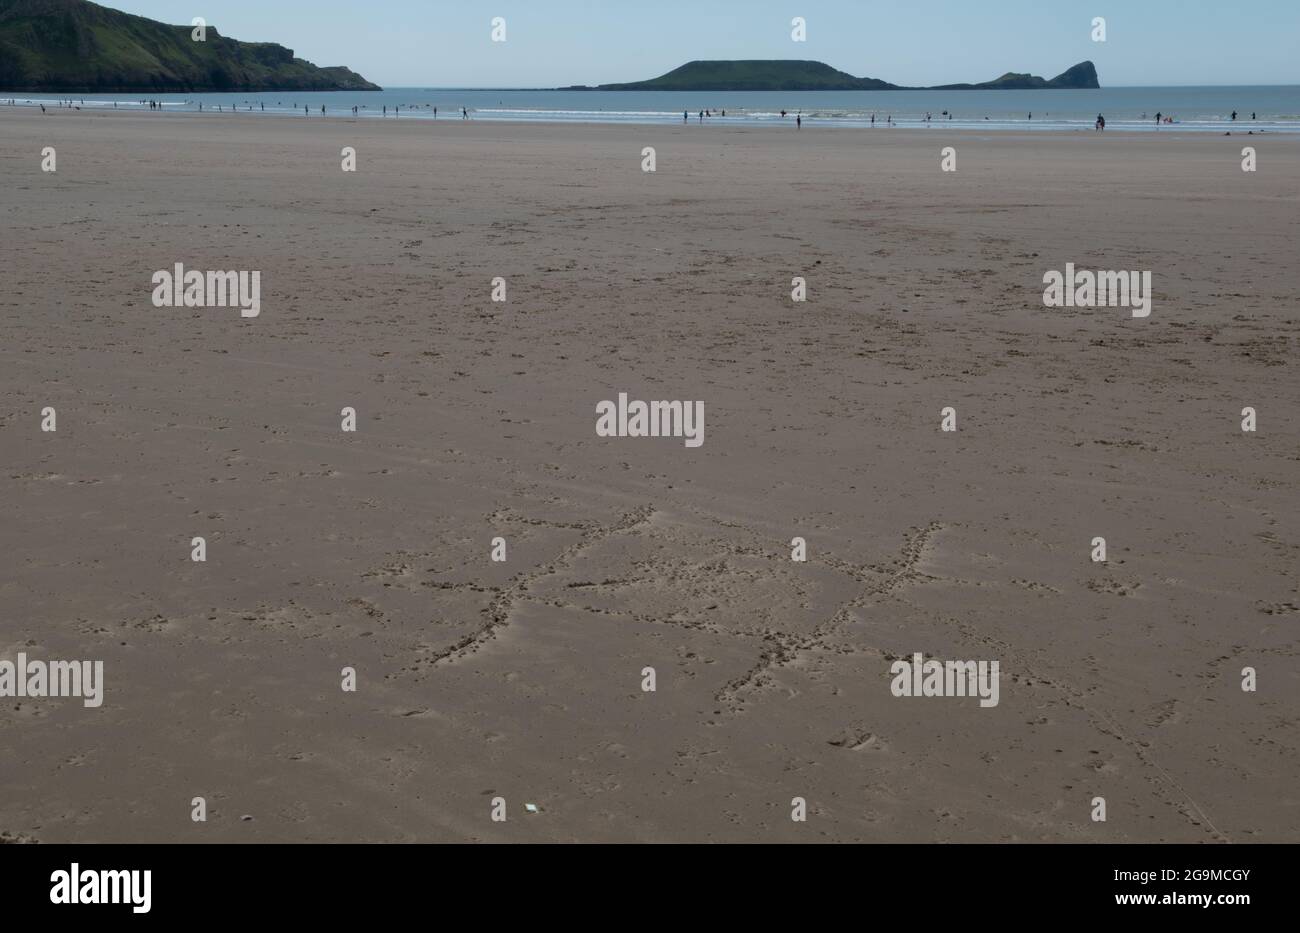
[[464, 113], [686, 117], [798, 122], [1101, 122], [1158, 116]]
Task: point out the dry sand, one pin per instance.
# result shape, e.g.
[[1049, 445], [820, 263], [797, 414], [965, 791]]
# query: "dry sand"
[[523, 680]]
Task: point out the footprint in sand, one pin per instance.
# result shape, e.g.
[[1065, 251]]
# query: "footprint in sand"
[[859, 741]]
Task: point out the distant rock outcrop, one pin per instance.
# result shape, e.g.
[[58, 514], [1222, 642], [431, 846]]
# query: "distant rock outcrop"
[[790, 75], [1082, 75], [71, 46]]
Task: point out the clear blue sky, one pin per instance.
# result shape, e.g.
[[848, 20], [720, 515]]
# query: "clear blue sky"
[[550, 43]]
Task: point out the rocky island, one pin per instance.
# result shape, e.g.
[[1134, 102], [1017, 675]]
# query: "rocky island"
[[789, 75]]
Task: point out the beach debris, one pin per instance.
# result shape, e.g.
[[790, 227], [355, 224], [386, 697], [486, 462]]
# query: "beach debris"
[[531, 808]]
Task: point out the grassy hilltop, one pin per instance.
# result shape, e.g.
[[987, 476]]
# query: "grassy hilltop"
[[75, 46]]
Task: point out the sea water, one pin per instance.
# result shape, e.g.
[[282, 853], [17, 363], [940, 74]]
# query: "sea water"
[[1206, 109]]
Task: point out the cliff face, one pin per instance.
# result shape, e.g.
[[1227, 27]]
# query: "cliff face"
[[1082, 75], [75, 46], [782, 75]]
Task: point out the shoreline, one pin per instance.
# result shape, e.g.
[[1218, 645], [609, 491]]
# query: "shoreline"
[[720, 124]]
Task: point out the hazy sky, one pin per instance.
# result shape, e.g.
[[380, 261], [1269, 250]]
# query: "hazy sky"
[[550, 43]]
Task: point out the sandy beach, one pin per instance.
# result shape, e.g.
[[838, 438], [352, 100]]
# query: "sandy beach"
[[523, 679]]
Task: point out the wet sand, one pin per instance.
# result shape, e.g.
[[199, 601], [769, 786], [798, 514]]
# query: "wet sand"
[[522, 679]]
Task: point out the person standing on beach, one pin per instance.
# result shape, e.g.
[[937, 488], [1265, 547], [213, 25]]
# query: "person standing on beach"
[[798, 122], [1101, 122], [1234, 116], [1158, 115], [464, 113]]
